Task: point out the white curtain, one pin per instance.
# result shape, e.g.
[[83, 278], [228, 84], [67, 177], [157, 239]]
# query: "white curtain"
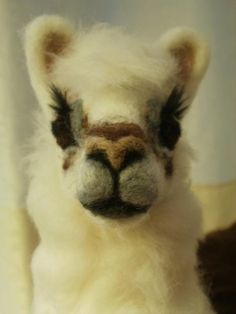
[[211, 124]]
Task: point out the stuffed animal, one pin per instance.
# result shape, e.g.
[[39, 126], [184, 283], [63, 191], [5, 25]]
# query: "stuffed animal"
[[109, 173]]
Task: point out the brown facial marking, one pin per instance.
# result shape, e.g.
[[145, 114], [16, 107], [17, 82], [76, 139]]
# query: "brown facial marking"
[[84, 123], [114, 132], [169, 167], [116, 152], [167, 161], [68, 160], [66, 164]]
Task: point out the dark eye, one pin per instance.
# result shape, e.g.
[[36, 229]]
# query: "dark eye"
[[169, 132], [164, 120], [62, 133], [61, 126]]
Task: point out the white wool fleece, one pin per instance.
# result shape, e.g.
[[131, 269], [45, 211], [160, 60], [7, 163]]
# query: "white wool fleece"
[[86, 264]]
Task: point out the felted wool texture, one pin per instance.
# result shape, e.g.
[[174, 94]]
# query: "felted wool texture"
[[116, 152], [86, 263]]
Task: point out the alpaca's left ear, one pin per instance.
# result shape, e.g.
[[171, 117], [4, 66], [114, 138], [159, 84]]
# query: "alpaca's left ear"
[[191, 53], [46, 38]]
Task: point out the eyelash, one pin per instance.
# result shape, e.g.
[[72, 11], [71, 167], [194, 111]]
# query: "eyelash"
[[169, 129], [61, 126], [170, 116], [173, 106]]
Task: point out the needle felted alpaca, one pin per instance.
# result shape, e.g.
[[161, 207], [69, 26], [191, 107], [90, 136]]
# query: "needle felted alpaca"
[[109, 190]]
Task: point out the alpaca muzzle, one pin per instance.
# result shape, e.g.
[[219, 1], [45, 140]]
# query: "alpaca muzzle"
[[117, 154], [116, 145]]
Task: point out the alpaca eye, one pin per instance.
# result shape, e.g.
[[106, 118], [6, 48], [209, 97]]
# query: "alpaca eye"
[[61, 126], [62, 133], [169, 132], [164, 121], [170, 116]]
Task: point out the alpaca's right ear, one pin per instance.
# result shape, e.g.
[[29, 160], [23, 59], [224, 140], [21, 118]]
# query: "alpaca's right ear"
[[46, 38]]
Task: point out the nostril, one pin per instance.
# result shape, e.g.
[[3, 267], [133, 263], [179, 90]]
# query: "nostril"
[[116, 156], [131, 157], [100, 156]]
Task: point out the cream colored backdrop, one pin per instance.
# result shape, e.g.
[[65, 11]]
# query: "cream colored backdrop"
[[211, 124]]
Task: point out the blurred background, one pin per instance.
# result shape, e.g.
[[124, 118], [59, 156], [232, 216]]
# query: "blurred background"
[[210, 125]]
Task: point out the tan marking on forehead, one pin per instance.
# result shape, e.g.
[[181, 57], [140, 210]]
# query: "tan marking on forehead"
[[115, 131], [116, 151]]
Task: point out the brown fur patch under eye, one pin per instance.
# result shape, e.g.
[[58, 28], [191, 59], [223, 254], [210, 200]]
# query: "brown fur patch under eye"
[[66, 164], [114, 132], [169, 167], [68, 160], [84, 123]]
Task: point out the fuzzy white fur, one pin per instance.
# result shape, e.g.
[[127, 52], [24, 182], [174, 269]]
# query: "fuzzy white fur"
[[90, 265]]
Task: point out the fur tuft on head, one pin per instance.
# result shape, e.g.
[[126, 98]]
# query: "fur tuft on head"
[[108, 57], [105, 57]]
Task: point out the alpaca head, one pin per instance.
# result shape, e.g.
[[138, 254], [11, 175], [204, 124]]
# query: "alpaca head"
[[114, 106]]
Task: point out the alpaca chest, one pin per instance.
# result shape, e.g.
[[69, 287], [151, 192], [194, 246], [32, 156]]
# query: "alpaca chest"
[[92, 282]]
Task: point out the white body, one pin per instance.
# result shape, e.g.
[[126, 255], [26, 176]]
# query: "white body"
[[85, 268], [89, 265]]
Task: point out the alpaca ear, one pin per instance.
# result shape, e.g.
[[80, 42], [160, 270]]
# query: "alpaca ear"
[[191, 53], [46, 38]]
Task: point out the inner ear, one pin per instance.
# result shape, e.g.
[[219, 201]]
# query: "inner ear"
[[191, 53], [46, 39], [185, 57], [55, 45]]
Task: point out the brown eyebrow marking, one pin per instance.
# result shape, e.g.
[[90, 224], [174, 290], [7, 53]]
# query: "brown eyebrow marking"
[[115, 131]]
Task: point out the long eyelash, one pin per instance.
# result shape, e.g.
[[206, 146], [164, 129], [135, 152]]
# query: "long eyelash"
[[171, 113], [173, 106], [62, 108], [61, 126]]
